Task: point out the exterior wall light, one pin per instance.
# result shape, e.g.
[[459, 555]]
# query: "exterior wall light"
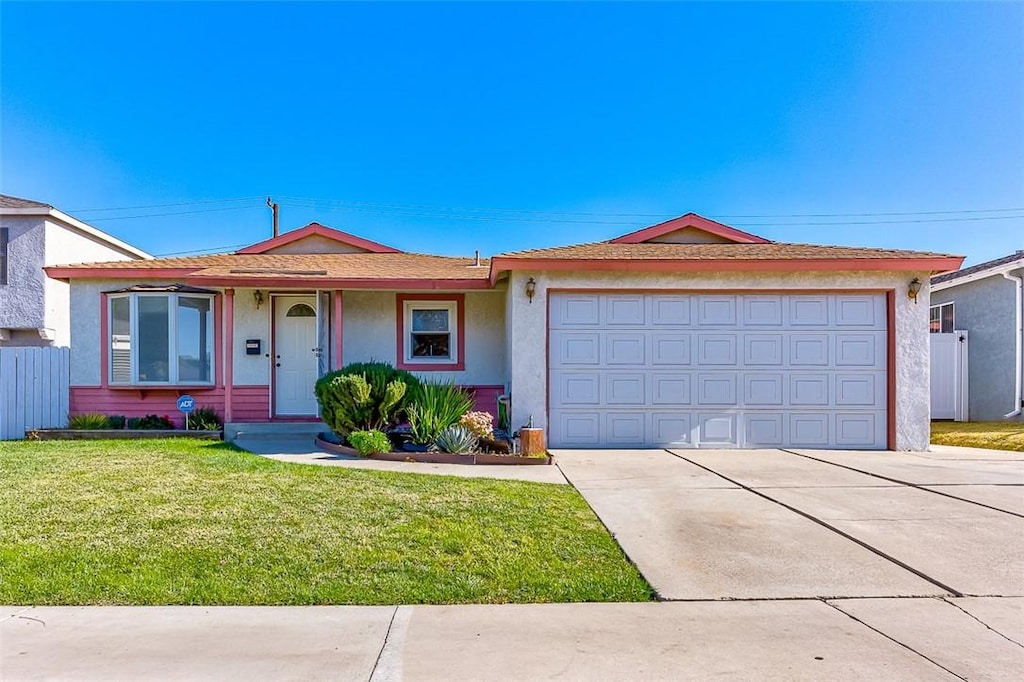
[[913, 289], [258, 297], [531, 288]]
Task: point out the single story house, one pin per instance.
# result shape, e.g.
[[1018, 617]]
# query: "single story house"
[[983, 300], [34, 309], [689, 333]]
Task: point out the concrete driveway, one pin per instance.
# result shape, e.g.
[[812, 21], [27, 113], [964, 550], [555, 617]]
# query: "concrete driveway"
[[782, 524]]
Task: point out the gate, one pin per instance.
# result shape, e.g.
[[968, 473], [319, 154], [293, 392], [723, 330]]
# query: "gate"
[[949, 376], [33, 389]]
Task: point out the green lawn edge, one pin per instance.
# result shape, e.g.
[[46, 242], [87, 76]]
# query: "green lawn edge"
[[987, 435]]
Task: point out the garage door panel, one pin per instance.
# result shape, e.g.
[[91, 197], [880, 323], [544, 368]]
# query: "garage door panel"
[[575, 388], [671, 388], [716, 389], [625, 388], [716, 311], [671, 429], [668, 348], [762, 311], [575, 348], [625, 428], [718, 370], [763, 349], [625, 310], [763, 430], [763, 389], [625, 348], [811, 429], [670, 310], [716, 349], [718, 430]]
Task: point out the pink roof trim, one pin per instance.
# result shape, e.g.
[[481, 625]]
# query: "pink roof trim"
[[690, 220], [323, 231]]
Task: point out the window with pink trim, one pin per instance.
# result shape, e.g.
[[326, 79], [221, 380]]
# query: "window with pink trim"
[[431, 332]]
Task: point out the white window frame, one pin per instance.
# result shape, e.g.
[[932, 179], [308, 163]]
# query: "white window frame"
[[453, 337], [172, 332], [939, 307]]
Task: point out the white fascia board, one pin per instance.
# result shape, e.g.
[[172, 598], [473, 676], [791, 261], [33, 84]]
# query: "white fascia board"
[[78, 225], [982, 274]]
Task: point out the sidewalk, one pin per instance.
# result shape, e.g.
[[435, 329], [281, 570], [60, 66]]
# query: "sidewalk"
[[892, 639]]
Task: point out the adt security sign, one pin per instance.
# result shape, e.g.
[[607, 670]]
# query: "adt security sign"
[[186, 404]]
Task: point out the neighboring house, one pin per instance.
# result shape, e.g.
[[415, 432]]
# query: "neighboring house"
[[688, 333], [985, 301], [34, 309]]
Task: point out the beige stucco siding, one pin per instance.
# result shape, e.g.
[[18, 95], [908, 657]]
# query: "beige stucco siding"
[[527, 324]]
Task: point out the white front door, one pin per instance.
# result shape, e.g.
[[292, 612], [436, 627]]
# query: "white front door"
[[295, 361]]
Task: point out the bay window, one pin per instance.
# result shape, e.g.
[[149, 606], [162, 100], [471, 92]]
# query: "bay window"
[[161, 338]]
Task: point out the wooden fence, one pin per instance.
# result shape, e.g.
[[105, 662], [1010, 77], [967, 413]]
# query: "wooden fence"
[[33, 389]]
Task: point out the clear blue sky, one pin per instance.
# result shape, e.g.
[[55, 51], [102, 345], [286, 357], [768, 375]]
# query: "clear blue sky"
[[411, 123]]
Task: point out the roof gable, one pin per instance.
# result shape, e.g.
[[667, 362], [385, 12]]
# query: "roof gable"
[[317, 238], [690, 229]]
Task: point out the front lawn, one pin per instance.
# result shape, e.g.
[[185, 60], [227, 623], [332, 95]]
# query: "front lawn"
[[991, 435], [187, 522]]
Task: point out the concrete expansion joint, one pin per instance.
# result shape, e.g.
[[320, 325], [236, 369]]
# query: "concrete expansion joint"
[[893, 639], [18, 614], [1001, 634], [388, 666]]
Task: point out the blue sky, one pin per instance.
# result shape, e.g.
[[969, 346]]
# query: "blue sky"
[[452, 127]]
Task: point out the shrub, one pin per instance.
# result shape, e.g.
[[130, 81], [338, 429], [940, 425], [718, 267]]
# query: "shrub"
[[481, 424], [204, 419], [457, 439], [88, 420], [369, 442], [363, 396], [435, 407], [150, 422], [117, 421]]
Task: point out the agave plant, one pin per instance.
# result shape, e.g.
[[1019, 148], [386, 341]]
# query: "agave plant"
[[457, 440]]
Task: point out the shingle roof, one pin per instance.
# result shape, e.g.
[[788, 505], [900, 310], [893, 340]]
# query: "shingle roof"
[[769, 251], [980, 267], [328, 266], [7, 201]]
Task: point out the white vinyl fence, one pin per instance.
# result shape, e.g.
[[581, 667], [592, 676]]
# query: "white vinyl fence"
[[949, 376], [33, 389]]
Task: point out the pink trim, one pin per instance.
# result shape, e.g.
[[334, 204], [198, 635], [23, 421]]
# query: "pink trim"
[[890, 369], [322, 231], [690, 220], [337, 357], [460, 302], [485, 398], [229, 354], [680, 266], [218, 339], [68, 271], [250, 403], [104, 340]]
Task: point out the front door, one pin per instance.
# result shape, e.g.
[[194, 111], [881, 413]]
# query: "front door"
[[295, 362]]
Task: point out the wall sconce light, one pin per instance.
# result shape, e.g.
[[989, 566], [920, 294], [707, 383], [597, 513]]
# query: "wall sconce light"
[[258, 297], [913, 289], [531, 288]]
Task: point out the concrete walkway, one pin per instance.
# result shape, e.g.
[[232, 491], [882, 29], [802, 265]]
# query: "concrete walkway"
[[303, 450], [892, 639]]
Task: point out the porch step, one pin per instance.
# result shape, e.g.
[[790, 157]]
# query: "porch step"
[[272, 430]]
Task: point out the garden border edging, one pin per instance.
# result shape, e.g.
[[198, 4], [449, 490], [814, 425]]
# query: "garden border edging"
[[434, 457]]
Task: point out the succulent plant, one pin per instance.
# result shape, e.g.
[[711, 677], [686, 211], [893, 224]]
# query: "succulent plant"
[[457, 440]]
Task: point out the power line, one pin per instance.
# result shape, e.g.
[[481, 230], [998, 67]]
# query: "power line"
[[158, 215], [213, 249], [183, 203]]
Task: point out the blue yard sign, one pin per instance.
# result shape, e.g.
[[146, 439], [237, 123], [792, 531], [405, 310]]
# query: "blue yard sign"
[[186, 404]]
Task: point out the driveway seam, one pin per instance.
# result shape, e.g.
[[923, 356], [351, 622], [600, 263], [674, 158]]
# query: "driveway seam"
[[16, 614], [1009, 639], [906, 483], [380, 654], [893, 639], [865, 545]]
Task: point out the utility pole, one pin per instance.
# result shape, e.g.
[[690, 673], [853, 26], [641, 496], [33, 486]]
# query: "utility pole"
[[273, 208]]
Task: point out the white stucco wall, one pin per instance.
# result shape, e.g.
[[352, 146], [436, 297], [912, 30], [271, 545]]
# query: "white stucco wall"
[[369, 333], [527, 341], [85, 329], [251, 323]]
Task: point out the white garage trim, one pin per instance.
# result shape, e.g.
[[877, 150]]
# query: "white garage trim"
[[762, 367]]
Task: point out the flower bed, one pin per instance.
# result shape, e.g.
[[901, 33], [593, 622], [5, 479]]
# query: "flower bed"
[[324, 442]]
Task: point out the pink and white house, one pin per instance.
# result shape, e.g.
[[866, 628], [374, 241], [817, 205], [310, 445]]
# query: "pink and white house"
[[688, 333]]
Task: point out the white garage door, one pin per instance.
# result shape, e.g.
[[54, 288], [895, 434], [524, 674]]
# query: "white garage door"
[[717, 370]]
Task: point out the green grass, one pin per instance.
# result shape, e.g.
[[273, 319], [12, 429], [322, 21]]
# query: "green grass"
[[188, 522], [990, 435]]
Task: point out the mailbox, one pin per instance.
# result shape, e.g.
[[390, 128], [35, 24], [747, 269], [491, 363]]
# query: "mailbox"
[[252, 347]]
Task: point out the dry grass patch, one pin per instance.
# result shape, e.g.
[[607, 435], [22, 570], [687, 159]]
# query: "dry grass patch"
[[991, 435]]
